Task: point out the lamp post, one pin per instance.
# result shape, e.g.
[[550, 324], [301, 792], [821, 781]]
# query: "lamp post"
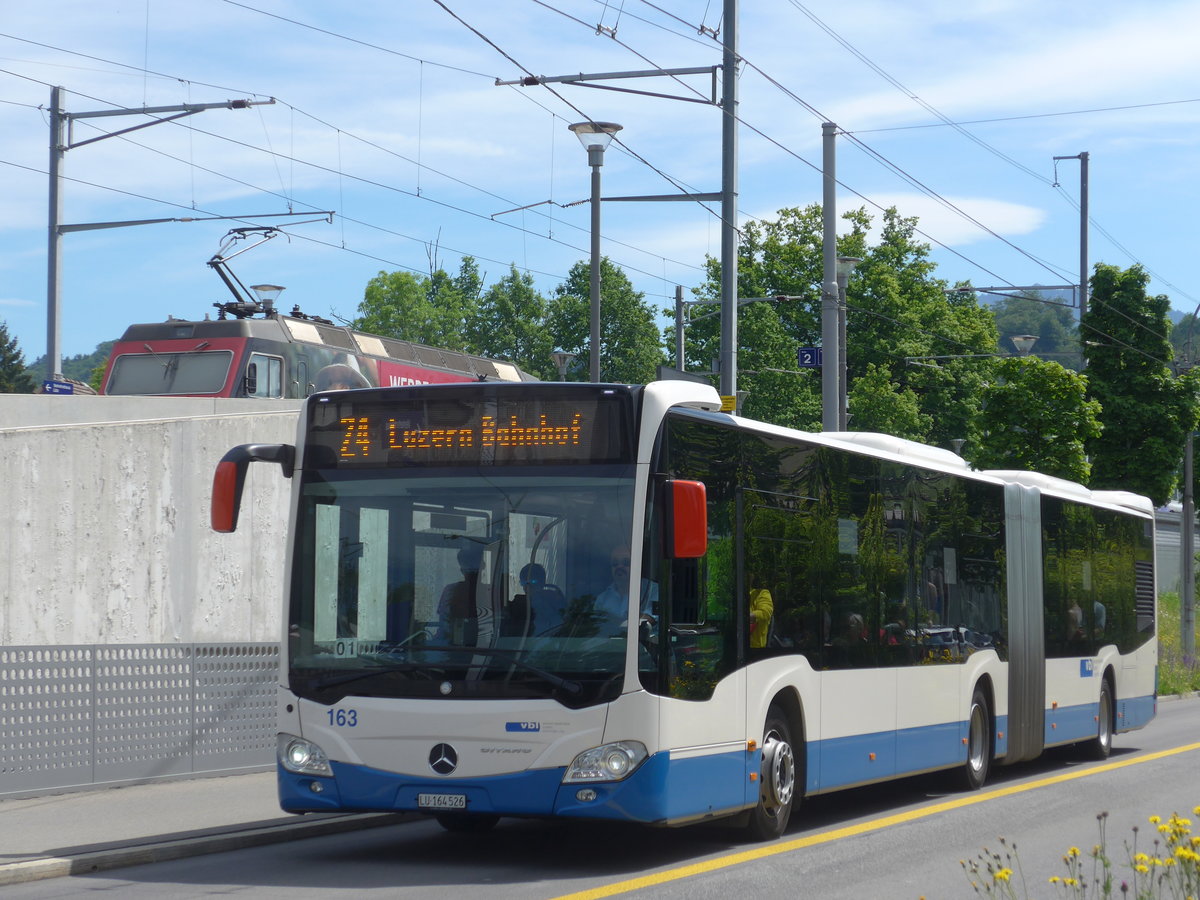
[[562, 359], [1024, 343], [845, 265], [595, 137]]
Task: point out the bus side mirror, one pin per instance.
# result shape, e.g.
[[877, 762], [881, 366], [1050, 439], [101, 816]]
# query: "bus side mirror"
[[685, 521], [230, 478], [251, 379]]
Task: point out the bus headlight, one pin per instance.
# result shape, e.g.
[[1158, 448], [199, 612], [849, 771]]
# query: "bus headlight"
[[302, 757], [609, 762]]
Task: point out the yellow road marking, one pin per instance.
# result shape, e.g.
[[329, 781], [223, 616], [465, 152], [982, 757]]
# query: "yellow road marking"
[[825, 837]]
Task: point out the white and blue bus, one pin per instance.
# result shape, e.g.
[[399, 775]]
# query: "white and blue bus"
[[618, 602]]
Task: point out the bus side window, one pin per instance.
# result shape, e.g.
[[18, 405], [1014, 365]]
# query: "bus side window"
[[685, 592]]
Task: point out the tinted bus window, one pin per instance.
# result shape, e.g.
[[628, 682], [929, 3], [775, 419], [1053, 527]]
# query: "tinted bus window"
[[1098, 569]]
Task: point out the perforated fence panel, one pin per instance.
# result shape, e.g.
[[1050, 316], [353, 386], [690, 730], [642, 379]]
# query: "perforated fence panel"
[[72, 716]]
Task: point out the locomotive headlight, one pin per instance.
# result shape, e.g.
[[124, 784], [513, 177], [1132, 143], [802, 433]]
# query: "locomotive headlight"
[[302, 757], [609, 762]]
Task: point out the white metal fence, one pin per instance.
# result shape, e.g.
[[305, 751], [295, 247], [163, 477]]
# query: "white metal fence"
[[78, 715]]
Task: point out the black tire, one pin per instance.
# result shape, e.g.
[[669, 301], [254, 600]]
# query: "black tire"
[[1100, 746], [778, 782], [980, 743], [466, 823]]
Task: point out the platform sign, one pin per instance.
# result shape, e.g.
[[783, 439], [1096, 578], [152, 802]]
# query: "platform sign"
[[57, 387], [810, 357]]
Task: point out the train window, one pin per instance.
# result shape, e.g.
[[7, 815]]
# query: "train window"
[[264, 376]]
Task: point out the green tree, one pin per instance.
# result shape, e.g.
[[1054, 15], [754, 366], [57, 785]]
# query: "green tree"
[[1185, 340], [509, 322], [896, 309], [1035, 416], [1146, 412], [13, 377], [630, 348], [1052, 323], [87, 368], [428, 310], [882, 405]]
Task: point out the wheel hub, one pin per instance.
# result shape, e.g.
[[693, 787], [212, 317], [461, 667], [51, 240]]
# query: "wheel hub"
[[779, 772]]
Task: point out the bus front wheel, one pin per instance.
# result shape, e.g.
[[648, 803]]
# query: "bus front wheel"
[[979, 743], [777, 780]]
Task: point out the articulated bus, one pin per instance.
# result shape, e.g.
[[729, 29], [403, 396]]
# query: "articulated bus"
[[277, 356], [618, 602]]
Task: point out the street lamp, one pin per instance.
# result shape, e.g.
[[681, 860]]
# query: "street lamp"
[[595, 137], [562, 359], [1024, 343], [845, 265]]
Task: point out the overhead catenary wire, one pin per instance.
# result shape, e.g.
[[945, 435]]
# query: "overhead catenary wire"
[[369, 182], [701, 30]]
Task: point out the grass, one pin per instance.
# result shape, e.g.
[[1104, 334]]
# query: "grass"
[[1176, 675]]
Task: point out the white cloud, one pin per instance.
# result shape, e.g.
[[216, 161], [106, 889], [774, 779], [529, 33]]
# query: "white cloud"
[[1005, 218]]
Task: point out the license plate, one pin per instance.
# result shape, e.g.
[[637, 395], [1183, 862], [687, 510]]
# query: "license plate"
[[442, 801]]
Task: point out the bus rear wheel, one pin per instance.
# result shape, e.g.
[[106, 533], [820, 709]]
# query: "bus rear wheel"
[[979, 743], [1100, 746], [777, 780]]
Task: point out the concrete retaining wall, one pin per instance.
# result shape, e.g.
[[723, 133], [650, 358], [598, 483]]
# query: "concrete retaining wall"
[[104, 522]]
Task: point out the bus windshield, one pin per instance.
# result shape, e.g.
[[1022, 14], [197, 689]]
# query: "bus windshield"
[[460, 583]]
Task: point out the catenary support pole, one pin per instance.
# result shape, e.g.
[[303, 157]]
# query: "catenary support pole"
[[830, 362], [729, 196], [54, 248]]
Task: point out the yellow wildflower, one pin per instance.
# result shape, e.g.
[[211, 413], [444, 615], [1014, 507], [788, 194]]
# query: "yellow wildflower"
[[1004, 875]]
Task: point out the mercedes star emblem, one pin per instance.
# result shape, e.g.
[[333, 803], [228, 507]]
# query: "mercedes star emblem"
[[443, 759]]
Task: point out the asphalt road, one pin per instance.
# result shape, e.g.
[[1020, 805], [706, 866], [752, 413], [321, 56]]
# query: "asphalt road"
[[902, 840]]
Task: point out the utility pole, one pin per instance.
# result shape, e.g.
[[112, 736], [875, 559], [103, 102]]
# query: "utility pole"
[[61, 140], [1187, 556], [679, 348], [729, 196], [1083, 228], [830, 358]]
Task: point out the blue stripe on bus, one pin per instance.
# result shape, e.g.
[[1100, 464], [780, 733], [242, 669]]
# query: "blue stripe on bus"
[[660, 790], [666, 789]]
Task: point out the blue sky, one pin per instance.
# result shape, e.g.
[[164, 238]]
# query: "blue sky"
[[389, 115]]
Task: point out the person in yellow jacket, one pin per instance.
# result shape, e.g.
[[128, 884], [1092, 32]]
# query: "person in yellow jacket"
[[761, 610]]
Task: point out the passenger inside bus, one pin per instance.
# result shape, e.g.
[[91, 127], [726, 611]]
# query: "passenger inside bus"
[[540, 610], [458, 617], [612, 604], [761, 611]]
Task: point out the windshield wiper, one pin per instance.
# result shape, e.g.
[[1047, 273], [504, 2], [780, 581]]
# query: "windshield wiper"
[[572, 688], [348, 677]]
